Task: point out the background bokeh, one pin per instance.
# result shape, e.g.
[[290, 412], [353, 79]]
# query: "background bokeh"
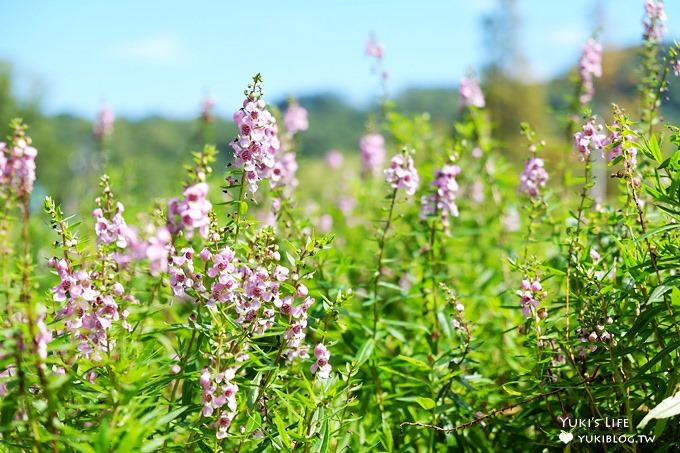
[[153, 64]]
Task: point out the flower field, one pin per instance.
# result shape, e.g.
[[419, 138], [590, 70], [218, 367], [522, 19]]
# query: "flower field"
[[424, 292]]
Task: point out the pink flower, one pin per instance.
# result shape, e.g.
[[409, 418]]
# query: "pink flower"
[[594, 255], [191, 212], [219, 396], [321, 368], [590, 65], [43, 335], [301, 290], [105, 120], [325, 223], [654, 20], [158, 250], [111, 231], [17, 165], [531, 294], [334, 159], [372, 147], [588, 138], [533, 177], [373, 49], [88, 311], [402, 174], [284, 171], [295, 119], [442, 202], [3, 164], [256, 146], [470, 93]]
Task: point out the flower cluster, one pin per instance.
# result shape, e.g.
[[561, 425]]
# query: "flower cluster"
[[254, 292], [17, 164], [457, 320], [531, 294], [284, 172], [104, 126], [470, 93], [588, 138], [257, 142], [590, 337], [654, 20], [443, 200], [111, 231], [295, 119], [219, 398], [183, 276], [590, 65], [372, 147], [321, 368], [533, 177], [129, 246], [191, 212], [157, 249], [297, 315], [402, 174], [88, 312]]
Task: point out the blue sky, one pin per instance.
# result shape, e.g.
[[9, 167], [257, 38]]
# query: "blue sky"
[[163, 56]]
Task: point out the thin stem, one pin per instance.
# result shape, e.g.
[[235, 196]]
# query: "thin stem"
[[493, 413], [657, 99], [238, 208], [185, 359], [574, 241], [433, 280], [381, 245]]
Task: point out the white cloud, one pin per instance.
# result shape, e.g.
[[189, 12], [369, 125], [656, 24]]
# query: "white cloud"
[[156, 49]]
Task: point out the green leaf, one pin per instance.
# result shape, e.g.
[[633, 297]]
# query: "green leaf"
[[418, 363], [510, 391], [325, 437], [387, 435], [281, 428], [658, 292], [426, 403], [365, 352], [655, 149]]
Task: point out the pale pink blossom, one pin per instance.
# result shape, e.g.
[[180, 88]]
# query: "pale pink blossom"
[[470, 93], [372, 147], [402, 174]]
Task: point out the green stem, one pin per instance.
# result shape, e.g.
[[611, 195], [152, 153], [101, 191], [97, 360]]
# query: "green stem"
[[238, 207], [574, 241], [381, 252]]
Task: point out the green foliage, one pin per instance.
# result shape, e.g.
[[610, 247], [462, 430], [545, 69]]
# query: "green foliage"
[[430, 349]]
